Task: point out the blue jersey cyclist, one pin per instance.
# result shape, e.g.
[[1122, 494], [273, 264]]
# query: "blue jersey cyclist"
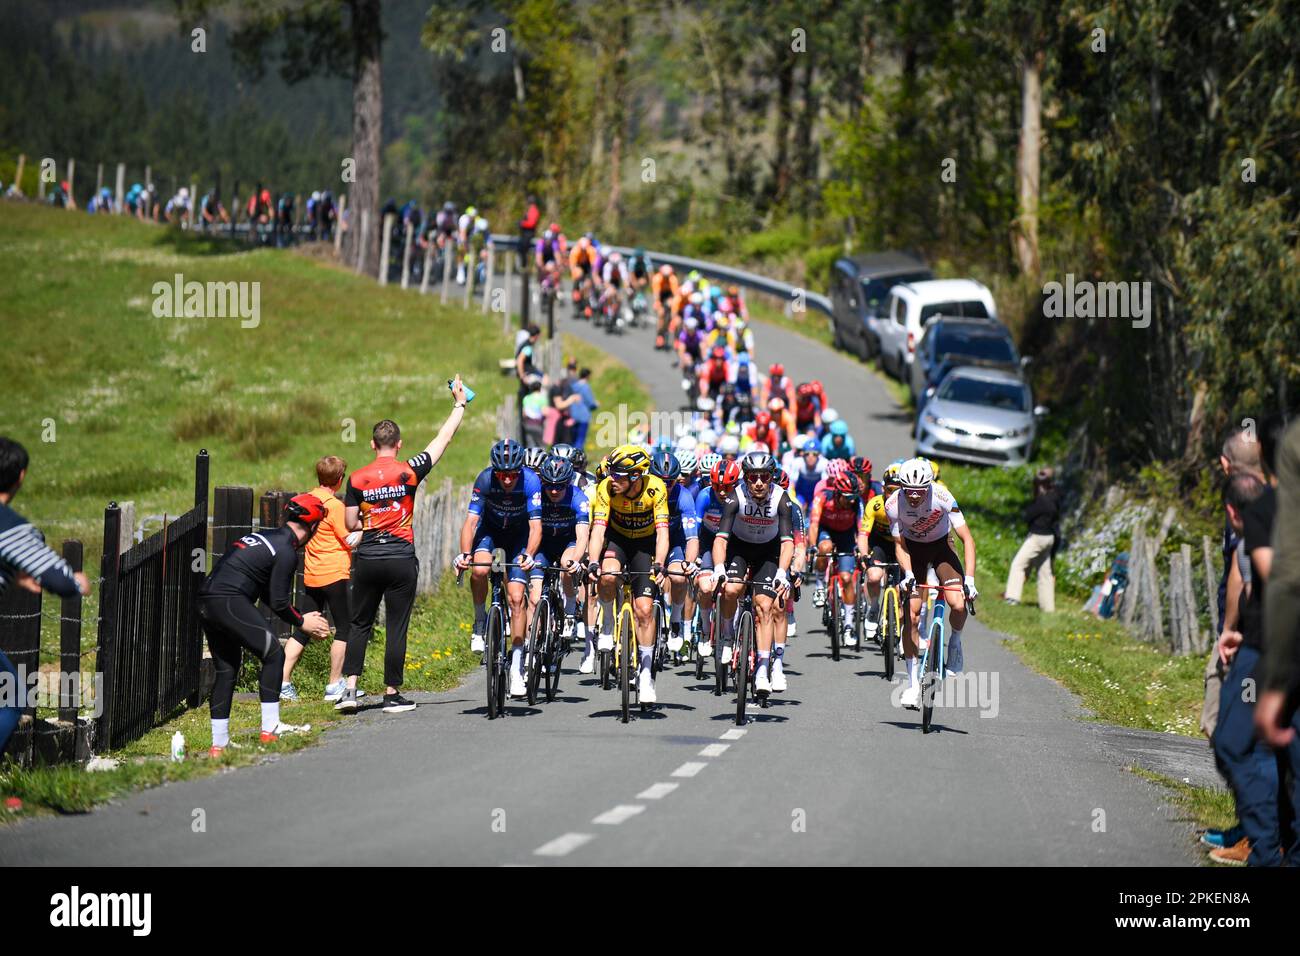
[[566, 520], [723, 476], [505, 511], [683, 541]]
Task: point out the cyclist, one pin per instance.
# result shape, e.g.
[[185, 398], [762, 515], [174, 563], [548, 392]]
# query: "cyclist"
[[729, 446], [807, 469], [584, 265], [742, 375], [683, 542], [535, 456], [714, 373], [721, 480], [875, 540], [505, 511], [829, 417], [807, 408], [259, 566], [799, 563], [920, 517], [629, 532], [833, 524], [691, 473], [761, 432], [566, 520], [551, 249], [211, 209], [778, 385], [837, 442], [615, 277], [639, 270], [860, 465], [756, 533], [664, 290]]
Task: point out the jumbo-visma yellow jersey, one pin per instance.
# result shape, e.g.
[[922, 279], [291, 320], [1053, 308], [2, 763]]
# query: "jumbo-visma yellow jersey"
[[632, 517]]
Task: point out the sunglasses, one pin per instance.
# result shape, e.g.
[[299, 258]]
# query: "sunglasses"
[[508, 474], [754, 477]]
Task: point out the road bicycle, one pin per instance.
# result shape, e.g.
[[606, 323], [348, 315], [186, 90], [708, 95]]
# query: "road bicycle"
[[833, 609], [889, 622], [496, 653], [934, 656], [624, 659], [744, 651], [547, 642]]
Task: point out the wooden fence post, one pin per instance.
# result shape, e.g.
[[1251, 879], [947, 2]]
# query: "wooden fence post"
[[364, 238], [1211, 588], [1133, 594], [70, 641], [428, 264], [386, 248], [510, 278], [1165, 524], [18, 175], [471, 266], [1189, 602], [338, 224], [99, 177], [1155, 620], [72, 173], [448, 251], [406, 257], [490, 275], [121, 188]]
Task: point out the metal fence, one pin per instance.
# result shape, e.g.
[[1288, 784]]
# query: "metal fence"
[[150, 643]]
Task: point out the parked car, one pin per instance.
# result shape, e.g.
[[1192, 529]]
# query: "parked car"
[[859, 287], [949, 342], [983, 415], [910, 307]]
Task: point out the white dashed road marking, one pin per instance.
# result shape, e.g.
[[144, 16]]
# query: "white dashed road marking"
[[564, 845], [735, 733], [657, 791], [624, 811], [689, 769], [713, 750]]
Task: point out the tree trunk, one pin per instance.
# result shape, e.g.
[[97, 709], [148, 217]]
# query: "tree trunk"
[[618, 123], [1025, 235], [806, 147], [784, 110], [367, 129]]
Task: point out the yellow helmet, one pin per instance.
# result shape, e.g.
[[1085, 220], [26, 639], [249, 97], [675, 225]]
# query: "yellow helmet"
[[934, 467], [890, 475], [602, 469], [628, 460]]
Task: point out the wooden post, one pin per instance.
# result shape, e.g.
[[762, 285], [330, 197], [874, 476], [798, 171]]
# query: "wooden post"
[[1133, 594], [448, 250], [99, 177], [490, 276], [18, 176], [194, 204], [72, 172], [428, 264], [1177, 614], [1189, 602], [470, 266], [406, 256], [364, 238], [127, 524], [121, 188], [1165, 525], [70, 638], [1211, 588], [1155, 620], [510, 280], [338, 224], [385, 246], [106, 653]]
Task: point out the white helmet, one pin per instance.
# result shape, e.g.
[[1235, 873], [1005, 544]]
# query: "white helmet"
[[830, 415], [689, 465], [708, 460], [184, 192], [708, 437], [916, 473], [691, 323], [687, 444], [729, 445]]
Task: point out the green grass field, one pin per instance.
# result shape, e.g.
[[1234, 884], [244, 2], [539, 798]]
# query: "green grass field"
[[113, 402]]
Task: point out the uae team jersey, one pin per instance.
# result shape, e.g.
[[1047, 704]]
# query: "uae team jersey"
[[929, 521], [384, 490]]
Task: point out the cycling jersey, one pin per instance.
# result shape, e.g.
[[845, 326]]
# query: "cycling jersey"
[[664, 287], [804, 479], [384, 490], [716, 371], [560, 519], [552, 249], [806, 409], [751, 521], [615, 274], [692, 343], [769, 438], [831, 450], [638, 516], [505, 510], [829, 514], [583, 257], [931, 520], [875, 523], [798, 522], [259, 566], [683, 524]]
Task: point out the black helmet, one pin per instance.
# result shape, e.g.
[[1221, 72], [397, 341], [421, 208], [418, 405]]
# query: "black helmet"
[[507, 455], [563, 450], [579, 459], [534, 456], [557, 471], [664, 464], [758, 461]]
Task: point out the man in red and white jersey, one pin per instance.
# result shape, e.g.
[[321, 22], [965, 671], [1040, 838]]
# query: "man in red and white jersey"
[[921, 514]]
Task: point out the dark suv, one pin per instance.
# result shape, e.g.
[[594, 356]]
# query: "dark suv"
[[949, 342], [859, 285]]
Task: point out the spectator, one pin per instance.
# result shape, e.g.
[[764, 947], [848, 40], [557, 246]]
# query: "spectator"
[[527, 229], [562, 399], [1042, 515], [525, 370], [25, 560], [1276, 711], [582, 409], [1249, 765], [327, 566], [534, 413]]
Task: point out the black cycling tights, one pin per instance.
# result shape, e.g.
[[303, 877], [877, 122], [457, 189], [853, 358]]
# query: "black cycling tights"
[[232, 624]]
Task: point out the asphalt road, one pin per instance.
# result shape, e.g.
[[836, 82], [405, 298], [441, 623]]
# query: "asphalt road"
[[831, 773]]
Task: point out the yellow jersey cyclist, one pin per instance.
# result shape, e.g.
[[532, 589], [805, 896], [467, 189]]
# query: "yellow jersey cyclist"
[[875, 541], [629, 531]]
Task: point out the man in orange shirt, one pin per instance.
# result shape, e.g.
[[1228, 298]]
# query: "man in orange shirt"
[[327, 565]]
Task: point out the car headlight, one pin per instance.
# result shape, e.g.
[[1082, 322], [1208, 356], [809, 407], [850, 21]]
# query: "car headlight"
[[1017, 432], [934, 420]]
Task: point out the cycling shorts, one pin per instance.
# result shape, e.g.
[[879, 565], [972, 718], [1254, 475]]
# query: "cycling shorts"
[[488, 539], [633, 554], [842, 541], [762, 559]]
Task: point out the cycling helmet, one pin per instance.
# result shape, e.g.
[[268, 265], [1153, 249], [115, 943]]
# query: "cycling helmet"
[[602, 468], [839, 427], [890, 475], [628, 460], [916, 473], [665, 270], [691, 323], [724, 474], [860, 465], [758, 460], [781, 477], [579, 459], [830, 415], [934, 467], [664, 464], [709, 462], [777, 370], [810, 444], [306, 510], [507, 455], [846, 484], [556, 471], [729, 445], [534, 456], [718, 352], [763, 421], [686, 444], [554, 228], [563, 450], [733, 428], [708, 437], [835, 467], [688, 462], [805, 390]]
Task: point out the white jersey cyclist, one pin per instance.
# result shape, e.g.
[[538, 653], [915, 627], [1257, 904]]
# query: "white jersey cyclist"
[[747, 519], [931, 520]]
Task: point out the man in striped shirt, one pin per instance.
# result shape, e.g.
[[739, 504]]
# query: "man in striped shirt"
[[25, 560]]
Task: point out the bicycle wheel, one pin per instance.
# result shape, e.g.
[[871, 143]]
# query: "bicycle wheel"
[[625, 637], [699, 658], [534, 648], [888, 635], [719, 662], [492, 658], [836, 616], [745, 643], [931, 675], [553, 659], [860, 614]]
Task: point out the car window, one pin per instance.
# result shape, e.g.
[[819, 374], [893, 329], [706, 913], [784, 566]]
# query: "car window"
[[989, 348], [899, 310], [1009, 396], [970, 310]]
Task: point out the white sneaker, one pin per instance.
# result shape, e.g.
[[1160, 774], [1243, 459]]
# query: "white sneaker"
[[761, 682], [476, 644], [819, 597], [646, 688], [517, 686], [289, 730], [790, 628], [605, 642], [778, 675], [849, 639], [675, 643], [870, 627], [334, 692], [949, 672], [588, 664], [580, 632], [705, 649], [911, 698]]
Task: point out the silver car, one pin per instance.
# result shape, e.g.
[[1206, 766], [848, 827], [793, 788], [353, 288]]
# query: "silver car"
[[981, 415]]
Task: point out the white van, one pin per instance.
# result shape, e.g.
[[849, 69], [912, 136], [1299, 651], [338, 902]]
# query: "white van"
[[911, 305]]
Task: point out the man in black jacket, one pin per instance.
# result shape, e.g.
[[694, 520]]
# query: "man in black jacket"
[[1043, 514]]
